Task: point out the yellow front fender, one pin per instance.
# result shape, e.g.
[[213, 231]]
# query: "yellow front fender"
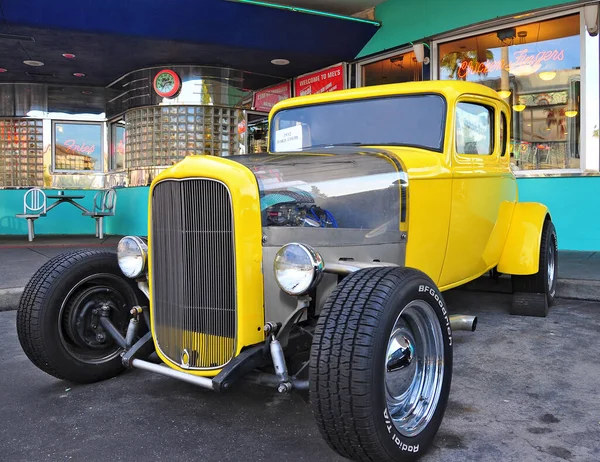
[[521, 253]]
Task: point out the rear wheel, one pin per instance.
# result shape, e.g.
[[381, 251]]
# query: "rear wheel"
[[58, 316], [544, 281], [381, 365]]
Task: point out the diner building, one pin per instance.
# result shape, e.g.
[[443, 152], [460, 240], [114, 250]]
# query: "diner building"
[[120, 97]]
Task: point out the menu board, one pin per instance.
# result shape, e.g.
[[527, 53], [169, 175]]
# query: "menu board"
[[265, 99], [325, 80]]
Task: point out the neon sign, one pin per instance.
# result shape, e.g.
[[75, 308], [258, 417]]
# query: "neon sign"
[[528, 63], [73, 147]]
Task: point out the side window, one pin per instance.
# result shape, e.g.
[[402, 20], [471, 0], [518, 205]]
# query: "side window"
[[474, 129], [503, 133]]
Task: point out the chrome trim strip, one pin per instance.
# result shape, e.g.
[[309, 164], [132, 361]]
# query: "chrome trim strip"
[[348, 267]]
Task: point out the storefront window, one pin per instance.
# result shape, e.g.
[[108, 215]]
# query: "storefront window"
[[77, 146], [536, 69], [117, 145], [396, 69]]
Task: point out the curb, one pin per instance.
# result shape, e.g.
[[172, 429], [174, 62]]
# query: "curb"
[[574, 289], [9, 298], [578, 289]]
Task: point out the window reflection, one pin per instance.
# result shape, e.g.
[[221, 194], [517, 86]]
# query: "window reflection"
[[536, 69], [77, 146], [117, 146]]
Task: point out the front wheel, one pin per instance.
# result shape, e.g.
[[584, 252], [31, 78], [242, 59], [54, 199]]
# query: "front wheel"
[[58, 316], [381, 365]]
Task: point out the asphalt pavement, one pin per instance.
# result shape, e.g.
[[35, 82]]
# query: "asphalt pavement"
[[524, 389]]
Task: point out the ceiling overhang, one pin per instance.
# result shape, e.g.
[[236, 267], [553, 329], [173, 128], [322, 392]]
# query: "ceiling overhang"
[[113, 37]]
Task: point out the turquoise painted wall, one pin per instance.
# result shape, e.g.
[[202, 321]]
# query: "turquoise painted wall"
[[132, 212], [404, 21], [574, 204], [64, 219]]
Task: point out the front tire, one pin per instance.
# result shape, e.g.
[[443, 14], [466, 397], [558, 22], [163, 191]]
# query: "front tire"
[[381, 365], [57, 321]]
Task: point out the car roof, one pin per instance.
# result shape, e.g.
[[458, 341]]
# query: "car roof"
[[451, 89]]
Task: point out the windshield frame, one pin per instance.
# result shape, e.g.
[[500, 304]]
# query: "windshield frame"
[[444, 121]]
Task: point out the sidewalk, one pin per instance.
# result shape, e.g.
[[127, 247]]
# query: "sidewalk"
[[578, 277], [579, 272], [20, 259]]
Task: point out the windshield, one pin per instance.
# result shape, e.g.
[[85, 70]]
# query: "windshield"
[[358, 190], [407, 120]]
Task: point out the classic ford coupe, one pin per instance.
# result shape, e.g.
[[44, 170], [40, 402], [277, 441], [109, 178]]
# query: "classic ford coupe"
[[318, 266]]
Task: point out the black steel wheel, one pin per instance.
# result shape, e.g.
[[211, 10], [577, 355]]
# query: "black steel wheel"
[[58, 320], [381, 365], [544, 281]]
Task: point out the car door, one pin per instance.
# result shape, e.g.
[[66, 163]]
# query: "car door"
[[481, 182]]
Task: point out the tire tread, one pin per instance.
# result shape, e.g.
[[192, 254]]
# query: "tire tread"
[[340, 395], [30, 328]]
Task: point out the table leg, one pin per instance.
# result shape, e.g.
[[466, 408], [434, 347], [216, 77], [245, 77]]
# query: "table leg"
[[30, 234]]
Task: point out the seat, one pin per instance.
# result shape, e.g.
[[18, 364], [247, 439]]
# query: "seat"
[[105, 204], [34, 207]]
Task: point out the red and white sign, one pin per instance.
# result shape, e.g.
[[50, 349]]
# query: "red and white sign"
[[325, 80], [265, 99]]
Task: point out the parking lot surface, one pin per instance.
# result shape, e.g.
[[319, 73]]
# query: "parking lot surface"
[[524, 389]]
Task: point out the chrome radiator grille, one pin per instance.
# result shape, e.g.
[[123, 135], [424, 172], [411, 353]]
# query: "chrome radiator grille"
[[193, 272]]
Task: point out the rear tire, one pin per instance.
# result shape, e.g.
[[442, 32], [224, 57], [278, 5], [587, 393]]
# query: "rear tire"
[[372, 400], [544, 281], [55, 324]]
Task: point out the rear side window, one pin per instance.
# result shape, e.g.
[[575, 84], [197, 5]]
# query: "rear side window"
[[474, 129], [503, 129]]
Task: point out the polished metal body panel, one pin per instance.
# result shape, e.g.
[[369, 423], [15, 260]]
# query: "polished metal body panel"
[[334, 245]]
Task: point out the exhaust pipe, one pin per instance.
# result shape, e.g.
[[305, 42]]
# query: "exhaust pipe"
[[462, 322]]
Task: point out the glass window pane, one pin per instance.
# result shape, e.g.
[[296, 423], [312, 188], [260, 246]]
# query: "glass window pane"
[[405, 120], [474, 129], [536, 69], [117, 148], [503, 128], [77, 146], [397, 69]]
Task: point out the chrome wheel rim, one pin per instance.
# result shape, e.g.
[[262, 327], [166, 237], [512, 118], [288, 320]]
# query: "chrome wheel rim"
[[551, 265], [414, 368]]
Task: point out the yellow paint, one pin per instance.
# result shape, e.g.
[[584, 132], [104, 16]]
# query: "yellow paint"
[[248, 248], [463, 214], [481, 184], [521, 253], [460, 206]]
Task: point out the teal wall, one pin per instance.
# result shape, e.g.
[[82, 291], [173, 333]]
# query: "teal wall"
[[574, 204], [404, 21], [64, 219], [132, 212]]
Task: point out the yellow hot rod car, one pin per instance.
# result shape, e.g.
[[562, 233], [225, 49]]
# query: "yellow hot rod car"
[[318, 266]]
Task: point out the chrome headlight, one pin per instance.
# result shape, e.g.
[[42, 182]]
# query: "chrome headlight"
[[298, 268], [132, 253]]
